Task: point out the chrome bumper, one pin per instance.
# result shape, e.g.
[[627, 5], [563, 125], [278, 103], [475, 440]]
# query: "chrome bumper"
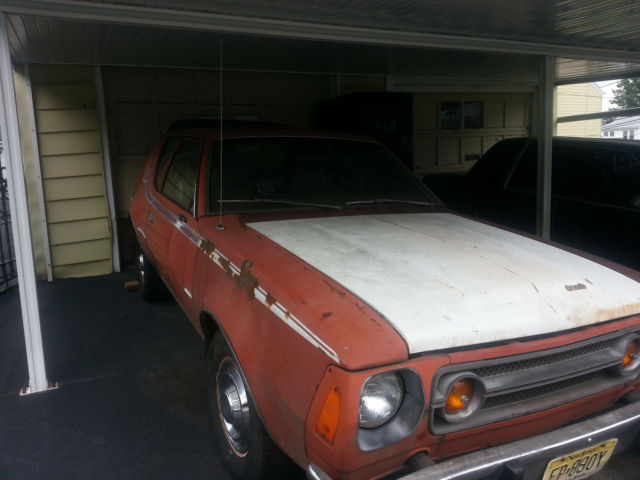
[[510, 459]]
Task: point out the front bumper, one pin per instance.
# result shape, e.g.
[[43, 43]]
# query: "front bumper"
[[528, 458]]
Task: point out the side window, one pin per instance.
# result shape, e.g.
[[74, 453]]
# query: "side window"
[[167, 152], [182, 176]]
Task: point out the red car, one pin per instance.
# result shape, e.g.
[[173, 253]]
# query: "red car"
[[355, 326]]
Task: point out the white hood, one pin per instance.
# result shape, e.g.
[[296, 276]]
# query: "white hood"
[[445, 281]]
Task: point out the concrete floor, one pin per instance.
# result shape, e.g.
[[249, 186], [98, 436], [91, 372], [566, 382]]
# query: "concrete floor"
[[130, 403]]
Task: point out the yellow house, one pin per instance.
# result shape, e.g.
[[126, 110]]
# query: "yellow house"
[[577, 99]]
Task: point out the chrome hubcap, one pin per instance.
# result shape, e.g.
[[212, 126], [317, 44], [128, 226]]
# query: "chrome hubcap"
[[233, 407]]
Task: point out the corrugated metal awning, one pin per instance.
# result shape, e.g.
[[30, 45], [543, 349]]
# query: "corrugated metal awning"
[[593, 39]]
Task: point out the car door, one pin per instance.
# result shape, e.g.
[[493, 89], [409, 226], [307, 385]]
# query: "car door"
[[175, 227]]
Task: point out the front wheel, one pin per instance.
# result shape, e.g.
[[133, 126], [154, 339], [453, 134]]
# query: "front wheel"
[[243, 444]]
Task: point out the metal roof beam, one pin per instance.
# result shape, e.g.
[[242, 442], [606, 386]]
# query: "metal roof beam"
[[201, 21], [628, 112]]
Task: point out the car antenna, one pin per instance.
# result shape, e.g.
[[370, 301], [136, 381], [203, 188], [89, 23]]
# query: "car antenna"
[[220, 227]]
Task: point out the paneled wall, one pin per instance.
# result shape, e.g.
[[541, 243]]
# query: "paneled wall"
[[142, 102], [451, 131]]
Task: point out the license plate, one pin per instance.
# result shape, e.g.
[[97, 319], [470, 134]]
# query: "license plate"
[[580, 464]]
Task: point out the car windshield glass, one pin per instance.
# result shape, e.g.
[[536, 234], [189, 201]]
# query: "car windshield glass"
[[266, 173]]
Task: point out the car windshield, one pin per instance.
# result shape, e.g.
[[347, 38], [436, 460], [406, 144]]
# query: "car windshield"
[[267, 173]]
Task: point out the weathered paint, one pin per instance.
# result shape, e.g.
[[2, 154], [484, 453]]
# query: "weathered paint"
[[300, 331], [445, 281]]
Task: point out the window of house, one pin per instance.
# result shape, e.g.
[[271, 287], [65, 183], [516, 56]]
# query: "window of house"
[[450, 115], [457, 115], [181, 179], [631, 134], [625, 134], [473, 114]]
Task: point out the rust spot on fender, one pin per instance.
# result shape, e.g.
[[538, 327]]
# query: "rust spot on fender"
[[325, 315], [246, 281], [226, 265], [207, 247], [270, 300]]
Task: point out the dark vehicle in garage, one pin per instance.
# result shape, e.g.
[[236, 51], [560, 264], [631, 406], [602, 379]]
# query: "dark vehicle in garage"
[[595, 204], [356, 325]]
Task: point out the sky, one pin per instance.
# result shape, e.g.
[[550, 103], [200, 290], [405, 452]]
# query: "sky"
[[607, 93]]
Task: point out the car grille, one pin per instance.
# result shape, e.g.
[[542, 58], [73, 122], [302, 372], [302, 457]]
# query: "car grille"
[[529, 383]]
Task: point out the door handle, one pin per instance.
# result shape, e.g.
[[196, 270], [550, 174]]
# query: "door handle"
[[182, 218]]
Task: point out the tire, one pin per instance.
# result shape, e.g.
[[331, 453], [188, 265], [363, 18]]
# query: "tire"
[[243, 444], [152, 287]]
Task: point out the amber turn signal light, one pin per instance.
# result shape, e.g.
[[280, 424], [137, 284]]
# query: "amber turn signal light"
[[631, 354], [329, 417], [460, 396]]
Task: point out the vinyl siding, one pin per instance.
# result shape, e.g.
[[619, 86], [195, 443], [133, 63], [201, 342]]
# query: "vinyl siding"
[[72, 170], [578, 99]]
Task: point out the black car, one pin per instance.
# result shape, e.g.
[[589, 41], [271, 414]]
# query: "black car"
[[595, 205]]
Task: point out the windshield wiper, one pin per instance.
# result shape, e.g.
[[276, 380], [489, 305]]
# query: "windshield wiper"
[[284, 202], [389, 200]]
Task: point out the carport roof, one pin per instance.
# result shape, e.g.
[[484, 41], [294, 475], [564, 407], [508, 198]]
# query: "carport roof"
[[592, 39]]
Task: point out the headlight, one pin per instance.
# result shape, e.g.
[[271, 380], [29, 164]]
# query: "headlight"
[[380, 399], [464, 394]]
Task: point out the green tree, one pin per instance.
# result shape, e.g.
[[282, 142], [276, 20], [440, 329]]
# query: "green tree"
[[627, 93]]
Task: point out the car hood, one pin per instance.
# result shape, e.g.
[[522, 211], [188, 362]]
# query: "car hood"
[[445, 281]]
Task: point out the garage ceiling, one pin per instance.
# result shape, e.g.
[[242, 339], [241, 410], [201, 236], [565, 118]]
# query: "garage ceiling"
[[492, 39]]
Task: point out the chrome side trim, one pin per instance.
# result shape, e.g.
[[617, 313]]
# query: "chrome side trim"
[[223, 262]]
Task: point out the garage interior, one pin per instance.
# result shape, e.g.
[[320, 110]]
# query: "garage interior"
[[93, 84]]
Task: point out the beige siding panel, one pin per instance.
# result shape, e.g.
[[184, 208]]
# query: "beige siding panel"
[[79, 231], [575, 100], [77, 165], [73, 172], [73, 187], [64, 96], [100, 267], [81, 252], [49, 121], [76, 209], [68, 143]]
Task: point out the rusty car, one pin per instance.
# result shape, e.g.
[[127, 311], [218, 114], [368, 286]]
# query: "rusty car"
[[355, 327]]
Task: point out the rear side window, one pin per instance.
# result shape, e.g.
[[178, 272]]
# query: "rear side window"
[[182, 176], [168, 149]]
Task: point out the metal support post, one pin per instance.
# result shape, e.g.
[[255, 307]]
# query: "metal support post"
[[20, 219], [545, 135]]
